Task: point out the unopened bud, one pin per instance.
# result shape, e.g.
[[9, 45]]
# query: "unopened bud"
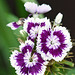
[[58, 18]]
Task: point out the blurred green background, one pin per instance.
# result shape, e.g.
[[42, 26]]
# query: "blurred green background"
[[10, 13]]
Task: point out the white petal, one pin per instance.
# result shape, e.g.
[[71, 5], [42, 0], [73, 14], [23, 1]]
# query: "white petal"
[[43, 8], [30, 7]]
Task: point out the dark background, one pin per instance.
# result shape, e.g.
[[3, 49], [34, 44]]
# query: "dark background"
[[66, 7]]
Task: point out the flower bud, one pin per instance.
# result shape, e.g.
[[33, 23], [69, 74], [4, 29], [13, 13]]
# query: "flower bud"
[[58, 18]]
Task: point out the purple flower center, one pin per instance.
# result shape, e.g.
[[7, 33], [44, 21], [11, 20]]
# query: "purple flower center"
[[53, 42]]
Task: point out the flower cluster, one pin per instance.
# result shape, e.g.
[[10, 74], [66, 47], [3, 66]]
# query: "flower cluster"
[[46, 41]]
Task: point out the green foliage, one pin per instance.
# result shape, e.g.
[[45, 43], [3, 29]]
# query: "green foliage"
[[7, 39], [58, 68], [21, 12], [71, 72]]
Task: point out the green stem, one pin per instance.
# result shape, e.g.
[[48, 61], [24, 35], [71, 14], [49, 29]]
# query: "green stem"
[[35, 16]]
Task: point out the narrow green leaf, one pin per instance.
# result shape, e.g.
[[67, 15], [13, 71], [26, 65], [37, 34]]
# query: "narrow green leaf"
[[54, 68], [47, 73], [69, 63]]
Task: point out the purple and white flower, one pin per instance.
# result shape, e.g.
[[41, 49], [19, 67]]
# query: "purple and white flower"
[[34, 8], [32, 26], [25, 63], [53, 44]]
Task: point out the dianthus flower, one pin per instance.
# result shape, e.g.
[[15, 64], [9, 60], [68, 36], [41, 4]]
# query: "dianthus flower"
[[33, 25], [27, 63], [54, 43]]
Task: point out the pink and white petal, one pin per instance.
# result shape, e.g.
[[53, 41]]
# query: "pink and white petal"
[[61, 57], [46, 22], [13, 59], [28, 20], [22, 71], [28, 45], [30, 7], [43, 8], [13, 25], [66, 34], [37, 69], [47, 56], [21, 46]]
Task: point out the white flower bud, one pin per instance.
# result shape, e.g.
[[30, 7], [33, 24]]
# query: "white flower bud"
[[22, 32], [58, 18]]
